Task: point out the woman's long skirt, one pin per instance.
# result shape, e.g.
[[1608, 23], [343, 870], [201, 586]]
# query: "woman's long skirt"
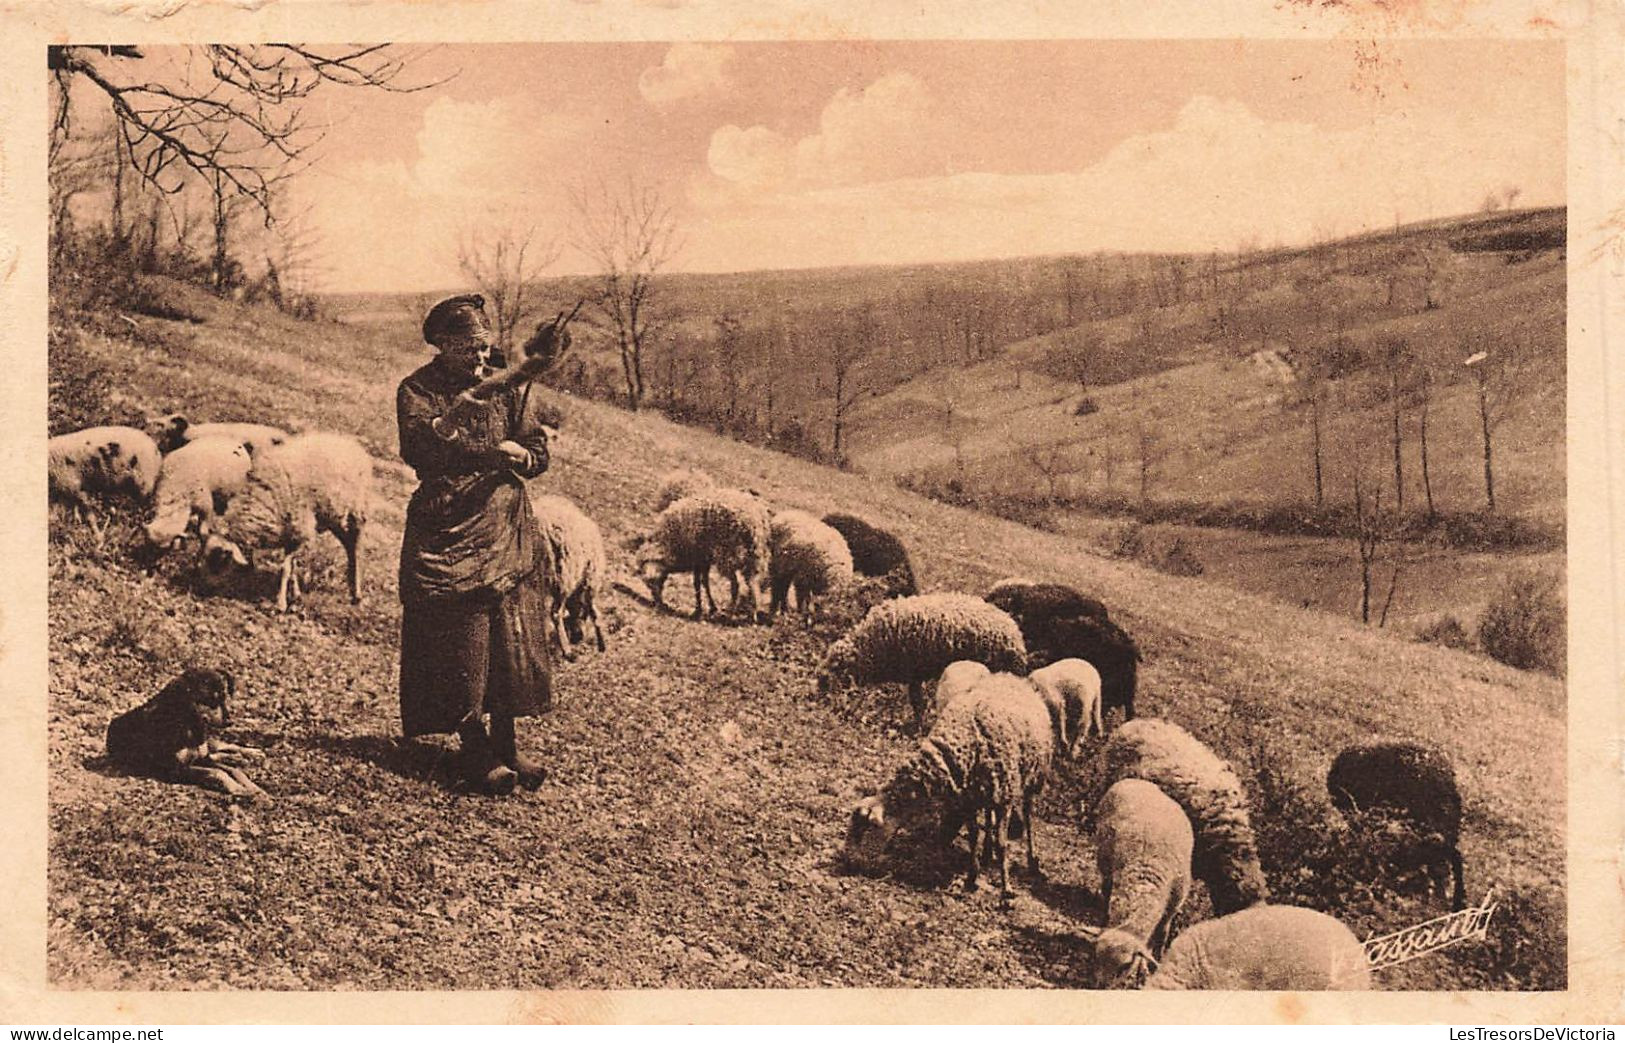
[[466, 656]]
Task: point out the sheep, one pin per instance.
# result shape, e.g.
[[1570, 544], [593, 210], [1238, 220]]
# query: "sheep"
[[957, 678], [578, 550], [876, 552], [911, 640], [724, 528], [195, 483], [680, 484], [1273, 948], [984, 761], [1163, 753], [311, 483], [1143, 851], [108, 460], [1412, 788], [808, 555], [1104, 645], [173, 431], [1074, 685], [1024, 598], [167, 737]]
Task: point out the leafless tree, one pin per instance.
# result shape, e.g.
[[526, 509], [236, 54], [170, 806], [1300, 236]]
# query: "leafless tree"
[[235, 111], [847, 381], [630, 233], [1500, 372], [1049, 460], [1422, 388], [1397, 362], [1371, 529], [504, 263], [1313, 384]]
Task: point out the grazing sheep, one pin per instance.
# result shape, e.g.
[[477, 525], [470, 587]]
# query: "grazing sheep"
[[1026, 599], [309, 484], [101, 461], [911, 640], [167, 737], [807, 555], [1275, 948], [1075, 686], [196, 483], [985, 759], [722, 528], [1104, 645], [956, 679], [578, 551], [1407, 786], [173, 431], [1143, 850], [1163, 753], [876, 552], [681, 484]]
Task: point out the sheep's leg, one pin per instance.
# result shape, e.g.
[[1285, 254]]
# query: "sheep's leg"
[[975, 851], [1027, 824], [916, 700], [699, 585], [283, 583], [1458, 899], [351, 539], [780, 597], [589, 610], [1001, 825]]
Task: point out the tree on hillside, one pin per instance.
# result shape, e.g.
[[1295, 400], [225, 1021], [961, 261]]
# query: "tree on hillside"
[[1422, 390], [845, 380], [231, 117], [1500, 371], [1312, 385], [729, 359], [1077, 357], [1398, 365], [504, 263], [1372, 528], [630, 233]]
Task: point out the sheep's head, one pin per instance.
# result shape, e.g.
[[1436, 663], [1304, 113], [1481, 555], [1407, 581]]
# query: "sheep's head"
[[1120, 960], [837, 668], [168, 431], [653, 568], [868, 830], [219, 557]]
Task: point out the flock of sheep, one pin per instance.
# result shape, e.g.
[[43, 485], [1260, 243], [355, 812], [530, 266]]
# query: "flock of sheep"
[[1005, 688]]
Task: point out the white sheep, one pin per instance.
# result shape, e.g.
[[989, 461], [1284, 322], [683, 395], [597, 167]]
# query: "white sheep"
[[173, 431], [680, 484], [911, 640], [957, 678], [1163, 753], [578, 552], [1075, 685], [1143, 850], [195, 483], [807, 555], [986, 758], [723, 528], [108, 460], [311, 483], [1274, 948]]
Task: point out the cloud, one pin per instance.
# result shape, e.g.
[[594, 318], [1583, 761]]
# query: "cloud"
[[394, 223], [690, 70], [880, 132], [1218, 176]]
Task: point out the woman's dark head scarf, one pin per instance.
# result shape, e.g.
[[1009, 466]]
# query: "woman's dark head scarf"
[[458, 320]]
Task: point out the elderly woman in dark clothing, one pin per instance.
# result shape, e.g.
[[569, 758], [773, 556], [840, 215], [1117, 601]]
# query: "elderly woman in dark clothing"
[[473, 620]]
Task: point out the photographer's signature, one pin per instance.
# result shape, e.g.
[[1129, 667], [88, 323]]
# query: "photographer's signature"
[[1402, 946]]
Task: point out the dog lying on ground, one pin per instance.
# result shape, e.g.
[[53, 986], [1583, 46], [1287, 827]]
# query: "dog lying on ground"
[[168, 736]]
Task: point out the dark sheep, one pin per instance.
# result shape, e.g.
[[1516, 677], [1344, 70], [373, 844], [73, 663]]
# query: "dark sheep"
[[1102, 644], [876, 552], [1405, 784], [168, 736], [1040, 601]]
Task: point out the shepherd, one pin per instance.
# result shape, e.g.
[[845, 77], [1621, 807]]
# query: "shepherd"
[[474, 566]]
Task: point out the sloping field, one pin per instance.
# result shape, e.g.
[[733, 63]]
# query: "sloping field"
[[699, 782]]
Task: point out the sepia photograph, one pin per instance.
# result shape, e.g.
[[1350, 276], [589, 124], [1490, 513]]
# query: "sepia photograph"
[[1075, 514]]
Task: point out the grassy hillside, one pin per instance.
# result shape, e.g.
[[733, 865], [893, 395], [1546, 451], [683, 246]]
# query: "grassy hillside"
[[700, 783]]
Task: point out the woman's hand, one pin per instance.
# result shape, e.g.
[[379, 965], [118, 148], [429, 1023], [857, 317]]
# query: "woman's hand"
[[516, 454]]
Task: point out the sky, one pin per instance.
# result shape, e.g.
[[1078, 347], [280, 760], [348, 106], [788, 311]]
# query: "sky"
[[791, 155]]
